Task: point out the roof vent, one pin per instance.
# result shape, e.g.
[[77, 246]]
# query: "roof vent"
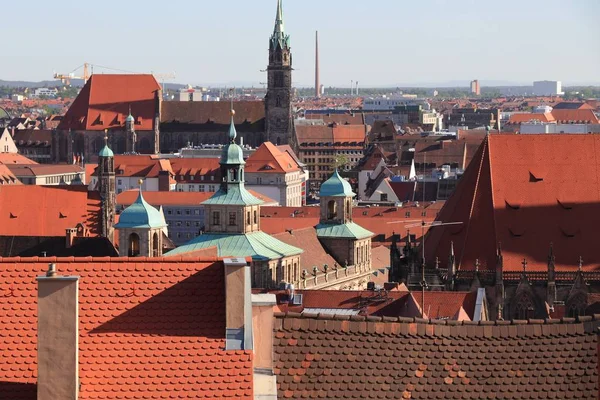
[[533, 178], [512, 204], [565, 205], [297, 300]]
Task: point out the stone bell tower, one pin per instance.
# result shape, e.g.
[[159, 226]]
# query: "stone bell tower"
[[278, 101]]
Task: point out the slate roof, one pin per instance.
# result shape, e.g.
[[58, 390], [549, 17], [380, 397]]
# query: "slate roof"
[[348, 230], [352, 357], [258, 245], [150, 328], [105, 100], [525, 192]]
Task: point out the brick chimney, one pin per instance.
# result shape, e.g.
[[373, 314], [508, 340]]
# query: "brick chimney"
[[58, 336], [164, 181], [238, 305]]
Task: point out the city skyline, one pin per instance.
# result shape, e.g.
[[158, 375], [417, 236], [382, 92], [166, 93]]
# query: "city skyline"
[[385, 43]]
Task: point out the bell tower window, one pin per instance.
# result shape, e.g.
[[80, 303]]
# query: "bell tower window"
[[134, 245], [331, 209]]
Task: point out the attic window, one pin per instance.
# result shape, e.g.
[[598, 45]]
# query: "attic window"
[[534, 178], [565, 205], [62, 215], [512, 204], [12, 215], [516, 232], [569, 232]]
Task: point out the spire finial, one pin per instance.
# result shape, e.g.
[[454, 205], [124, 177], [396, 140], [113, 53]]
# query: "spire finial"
[[477, 265], [580, 266], [524, 263]]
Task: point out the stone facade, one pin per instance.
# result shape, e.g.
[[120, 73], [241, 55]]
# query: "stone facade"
[[136, 242]]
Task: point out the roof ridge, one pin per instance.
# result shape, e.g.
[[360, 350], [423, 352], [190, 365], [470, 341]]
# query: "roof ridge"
[[163, 259], [433, 321]]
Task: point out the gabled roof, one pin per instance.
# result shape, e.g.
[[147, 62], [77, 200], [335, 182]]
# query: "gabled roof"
[[391, 358], [105, 100], [149, 328], [258, 245], [29, 210], [572, 105], [268, 158], [525, 192]]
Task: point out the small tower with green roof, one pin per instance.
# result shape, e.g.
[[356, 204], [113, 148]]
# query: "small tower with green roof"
[[131, 136], [140, 229], [106, 187], [348, 242]]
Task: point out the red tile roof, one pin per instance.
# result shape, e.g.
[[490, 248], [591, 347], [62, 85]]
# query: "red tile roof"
[[581, 116], [29, 210], [333, 134], [104, 103], [212, 112], [150, 328], [525, 192], [342, 119], [7, 177], [268, 158], [361, 357], [519, 118], [14, 158], [306, 239]]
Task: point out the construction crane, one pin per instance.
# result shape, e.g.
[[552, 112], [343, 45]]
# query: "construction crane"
[[162, 77], [66, 78]]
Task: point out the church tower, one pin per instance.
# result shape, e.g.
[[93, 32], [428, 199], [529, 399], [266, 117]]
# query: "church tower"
[[278, 101], [130, 134], [106, 187]]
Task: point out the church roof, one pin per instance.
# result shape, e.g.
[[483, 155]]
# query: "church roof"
[[336, 186], [141, 215], [525, 192], [348, 230], [269, 158], [258, 245], [104, 102]]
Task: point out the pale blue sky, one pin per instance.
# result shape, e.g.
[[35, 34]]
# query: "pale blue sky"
[[377, 42]]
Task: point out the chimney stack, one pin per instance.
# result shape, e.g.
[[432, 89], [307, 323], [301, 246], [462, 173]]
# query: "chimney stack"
[[317, 77], [238, 305], [58, 336]]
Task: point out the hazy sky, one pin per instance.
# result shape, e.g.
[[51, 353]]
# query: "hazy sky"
[[377, 42]]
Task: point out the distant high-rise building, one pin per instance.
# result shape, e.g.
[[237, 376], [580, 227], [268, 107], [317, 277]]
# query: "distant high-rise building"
[[547, 88], [475, 89], [278, 101], [317, 78]]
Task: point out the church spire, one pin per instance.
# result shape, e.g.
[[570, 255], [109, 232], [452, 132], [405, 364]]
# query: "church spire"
[[279, 38]]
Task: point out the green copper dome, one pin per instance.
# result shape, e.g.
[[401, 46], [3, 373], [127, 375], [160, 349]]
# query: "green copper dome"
[[232, 153], [106, 152], [130, 118], [141, 215], [336, 186]]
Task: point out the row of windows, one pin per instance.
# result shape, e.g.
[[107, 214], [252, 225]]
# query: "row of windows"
[[62, 178], [216, 218], [185, 223], [201, 188], [184, 212]]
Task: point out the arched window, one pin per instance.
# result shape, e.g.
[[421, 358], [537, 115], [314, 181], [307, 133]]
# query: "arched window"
[[348, 209], [134, 245], [331, 209], [255, 217], [296, 277], [576, 305], [248, 220], [525, 308], [155, 245]]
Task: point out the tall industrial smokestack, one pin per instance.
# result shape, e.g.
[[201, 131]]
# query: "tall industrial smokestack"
[[317, 80]]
